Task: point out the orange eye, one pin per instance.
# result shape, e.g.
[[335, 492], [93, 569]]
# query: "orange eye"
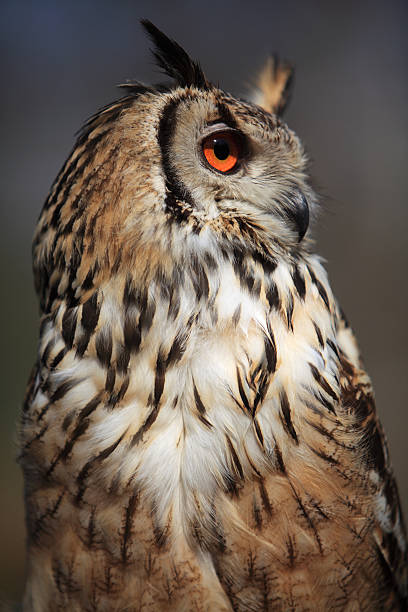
[[222, 150]]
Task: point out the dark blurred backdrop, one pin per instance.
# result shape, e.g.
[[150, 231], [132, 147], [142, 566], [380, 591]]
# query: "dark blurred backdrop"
[[61, 60]]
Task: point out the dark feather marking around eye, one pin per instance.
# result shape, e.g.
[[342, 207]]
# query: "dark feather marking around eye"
[[287, 420], [174, 61], [175, 189]]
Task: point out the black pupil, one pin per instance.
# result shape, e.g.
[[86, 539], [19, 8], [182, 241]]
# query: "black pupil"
[[221, 148]]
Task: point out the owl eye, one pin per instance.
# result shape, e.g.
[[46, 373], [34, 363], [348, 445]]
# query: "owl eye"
[[222, 150]]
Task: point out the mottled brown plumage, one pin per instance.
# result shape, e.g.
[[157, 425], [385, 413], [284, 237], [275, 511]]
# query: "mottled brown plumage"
[[198, 432]]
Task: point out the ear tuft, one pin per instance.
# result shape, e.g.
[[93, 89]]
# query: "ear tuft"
[[173, 60], [274, 85]]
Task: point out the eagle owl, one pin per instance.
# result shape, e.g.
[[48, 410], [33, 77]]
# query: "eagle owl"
[[198, 431]]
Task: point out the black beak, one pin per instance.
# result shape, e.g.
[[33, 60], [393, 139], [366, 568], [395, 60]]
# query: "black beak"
[[298, 213]]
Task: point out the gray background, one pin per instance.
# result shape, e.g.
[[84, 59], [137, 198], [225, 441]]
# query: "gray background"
[[60, 62]]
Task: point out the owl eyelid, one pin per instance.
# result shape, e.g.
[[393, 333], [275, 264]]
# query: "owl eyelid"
[[216, 128]]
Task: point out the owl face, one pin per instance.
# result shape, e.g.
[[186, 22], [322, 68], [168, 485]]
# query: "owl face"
[[165, 169], [228, 158]]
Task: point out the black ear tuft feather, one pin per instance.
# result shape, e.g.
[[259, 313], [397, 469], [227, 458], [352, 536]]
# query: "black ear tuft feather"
[[173, 60]]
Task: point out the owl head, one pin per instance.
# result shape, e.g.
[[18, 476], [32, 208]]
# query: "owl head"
[[170, 173]]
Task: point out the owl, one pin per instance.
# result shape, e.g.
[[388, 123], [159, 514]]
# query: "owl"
[[198, 433]]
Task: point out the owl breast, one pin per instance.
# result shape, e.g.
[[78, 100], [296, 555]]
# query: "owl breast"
[[212, 391]]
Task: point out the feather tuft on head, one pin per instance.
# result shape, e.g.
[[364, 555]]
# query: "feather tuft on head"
[[173, 60], [274, 85]]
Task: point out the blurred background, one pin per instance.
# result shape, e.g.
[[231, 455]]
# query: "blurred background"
[[60, 61]]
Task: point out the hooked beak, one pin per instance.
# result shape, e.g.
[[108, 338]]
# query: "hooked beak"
[[298, 213]]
